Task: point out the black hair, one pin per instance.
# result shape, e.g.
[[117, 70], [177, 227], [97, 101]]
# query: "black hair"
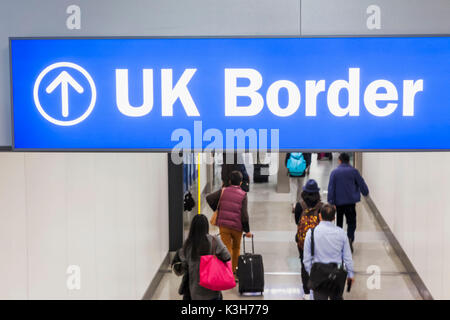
[[236, 178], [328, 212], [197, 239], [310, 198], [344, 157]]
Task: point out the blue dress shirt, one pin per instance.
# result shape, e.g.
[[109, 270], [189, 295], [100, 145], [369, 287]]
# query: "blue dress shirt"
[[330, 246]]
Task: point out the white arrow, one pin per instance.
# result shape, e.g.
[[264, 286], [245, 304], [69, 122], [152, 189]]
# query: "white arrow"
[[64, 79]]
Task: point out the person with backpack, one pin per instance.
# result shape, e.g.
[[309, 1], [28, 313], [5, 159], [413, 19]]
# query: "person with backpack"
[[326, 252], [297, 164], [198, 243], [344, 190], [306, 217], [232, 215]]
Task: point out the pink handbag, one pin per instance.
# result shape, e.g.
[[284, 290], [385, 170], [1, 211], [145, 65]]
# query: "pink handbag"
[[215, 274]]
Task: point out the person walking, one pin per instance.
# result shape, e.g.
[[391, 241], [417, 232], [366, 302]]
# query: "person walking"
[[232, 163], [232, 218], [331, 248], [199, 242], [306, 217], [344, 190], [324, 156], [297, 164]]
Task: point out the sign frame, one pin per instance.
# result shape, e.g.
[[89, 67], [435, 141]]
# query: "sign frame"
[[146, 150]]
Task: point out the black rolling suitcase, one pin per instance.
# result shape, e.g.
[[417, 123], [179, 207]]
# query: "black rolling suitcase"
[[257, 176], [250, 271]]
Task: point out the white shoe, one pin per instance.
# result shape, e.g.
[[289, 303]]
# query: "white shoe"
[[306, 297]]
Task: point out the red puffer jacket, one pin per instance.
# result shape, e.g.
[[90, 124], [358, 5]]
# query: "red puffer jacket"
[[230, 208]]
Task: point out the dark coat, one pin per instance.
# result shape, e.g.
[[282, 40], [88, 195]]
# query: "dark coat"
[[234, 164], [227, 169], [180, 268], [196, 291], [345, 186]]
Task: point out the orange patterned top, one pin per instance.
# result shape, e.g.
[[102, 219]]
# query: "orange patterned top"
[[308, 220]]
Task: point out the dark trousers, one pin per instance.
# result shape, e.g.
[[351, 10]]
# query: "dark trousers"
[[305, 275], [219, 298], [349, 211], [324, 296]]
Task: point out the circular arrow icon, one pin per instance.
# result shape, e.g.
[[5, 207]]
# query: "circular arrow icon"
[[63, 81]]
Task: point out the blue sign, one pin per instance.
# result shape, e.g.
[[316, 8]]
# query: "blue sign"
[[356, 93]]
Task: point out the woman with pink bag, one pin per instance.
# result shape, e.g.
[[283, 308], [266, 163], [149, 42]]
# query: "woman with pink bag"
[[206, 261]]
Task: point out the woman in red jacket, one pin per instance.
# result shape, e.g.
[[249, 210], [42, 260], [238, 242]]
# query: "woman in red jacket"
[[232, 218]]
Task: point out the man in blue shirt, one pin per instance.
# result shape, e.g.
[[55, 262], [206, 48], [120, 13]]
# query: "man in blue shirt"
[[344, 190], [330, 246]]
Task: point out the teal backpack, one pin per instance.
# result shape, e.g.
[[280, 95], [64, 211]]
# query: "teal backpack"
[[296, 164]]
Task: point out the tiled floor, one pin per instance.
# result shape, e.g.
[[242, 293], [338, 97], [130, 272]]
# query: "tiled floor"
[[273, 225]]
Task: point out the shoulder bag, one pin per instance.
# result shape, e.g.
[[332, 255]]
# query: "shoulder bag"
[[215, 215], [215, 274], [327, 278]]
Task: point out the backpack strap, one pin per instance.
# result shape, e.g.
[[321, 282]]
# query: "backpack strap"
[[303, 205], [317, 208], [312, 242], [307, 211]]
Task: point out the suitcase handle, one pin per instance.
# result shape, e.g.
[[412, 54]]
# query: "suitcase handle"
[[253, 245]]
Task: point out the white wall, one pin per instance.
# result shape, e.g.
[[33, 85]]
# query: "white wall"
[[411, 191], [106, 212]]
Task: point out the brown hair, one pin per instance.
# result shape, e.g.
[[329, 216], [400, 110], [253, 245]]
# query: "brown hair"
[[328, 212]]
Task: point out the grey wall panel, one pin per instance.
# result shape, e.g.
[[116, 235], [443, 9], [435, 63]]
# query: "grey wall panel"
[[158, 17], [5, 114], [346, 17], [138, 18]]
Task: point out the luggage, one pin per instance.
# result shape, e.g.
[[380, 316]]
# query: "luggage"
[[296, 164], [257, 176], [328, 278], [250, 271]]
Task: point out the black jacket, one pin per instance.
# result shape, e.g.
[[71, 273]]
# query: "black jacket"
[[228, 168]]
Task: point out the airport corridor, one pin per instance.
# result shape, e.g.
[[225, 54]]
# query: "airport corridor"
[[274, 229]]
